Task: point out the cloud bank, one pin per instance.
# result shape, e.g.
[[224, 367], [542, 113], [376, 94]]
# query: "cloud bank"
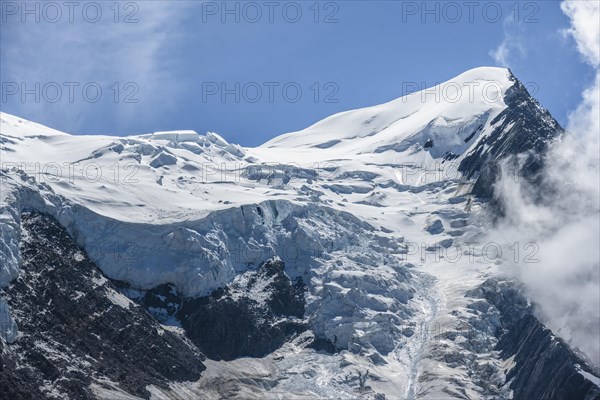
[[565, 225]]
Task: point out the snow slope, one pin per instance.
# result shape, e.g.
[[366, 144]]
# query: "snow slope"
[[443, 112], [367, 206]]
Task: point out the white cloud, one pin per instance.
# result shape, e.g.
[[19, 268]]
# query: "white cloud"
[[565, 283], [511, 47], [501, 53], [585, 28]]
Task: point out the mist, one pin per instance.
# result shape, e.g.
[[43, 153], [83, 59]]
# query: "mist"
[[561, 272]]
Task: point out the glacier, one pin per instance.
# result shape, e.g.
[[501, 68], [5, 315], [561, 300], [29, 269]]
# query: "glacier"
[[382, 212]]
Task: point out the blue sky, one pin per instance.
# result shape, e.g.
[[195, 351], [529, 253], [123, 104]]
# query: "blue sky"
[[173, 60]]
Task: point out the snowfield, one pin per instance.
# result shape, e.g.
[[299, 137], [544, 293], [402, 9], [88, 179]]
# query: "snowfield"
[[367, 206]]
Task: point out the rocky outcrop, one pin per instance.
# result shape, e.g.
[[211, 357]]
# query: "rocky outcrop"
[[545, 367], [76, 329], [16, 382], [252, 317], [523, 128]]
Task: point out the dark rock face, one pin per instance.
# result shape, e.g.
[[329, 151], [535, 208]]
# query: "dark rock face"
[[16, 382], [162, 301], [533, 128], [545, 366], [252, 317], [76, 328]]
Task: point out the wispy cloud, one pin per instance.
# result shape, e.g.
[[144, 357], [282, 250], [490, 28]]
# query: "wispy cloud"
[[106, 52], [512, 45]]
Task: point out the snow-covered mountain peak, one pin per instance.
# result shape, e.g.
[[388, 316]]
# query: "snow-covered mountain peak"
[[335, 253], [176, 175], [457, 102]]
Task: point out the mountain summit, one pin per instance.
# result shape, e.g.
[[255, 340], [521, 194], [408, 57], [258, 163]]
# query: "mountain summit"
[[346, 260], [452, 104]]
